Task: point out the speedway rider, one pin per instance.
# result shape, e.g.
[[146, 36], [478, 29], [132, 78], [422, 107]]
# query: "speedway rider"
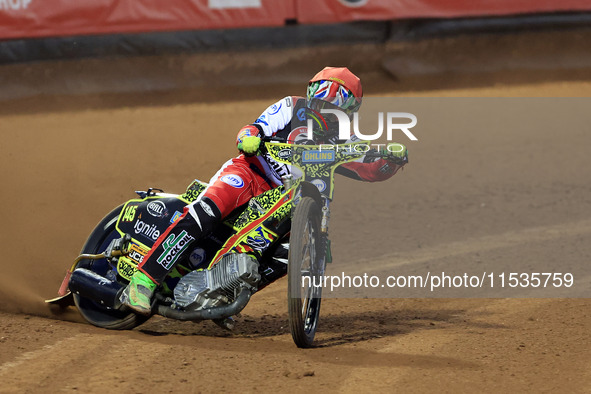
[[253, 172]]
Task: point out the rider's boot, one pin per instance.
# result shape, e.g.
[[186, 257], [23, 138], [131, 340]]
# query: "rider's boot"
[[138, 294], [196, 223]]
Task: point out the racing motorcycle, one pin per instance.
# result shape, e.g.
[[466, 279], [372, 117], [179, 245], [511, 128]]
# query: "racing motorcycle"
[[282, 231]]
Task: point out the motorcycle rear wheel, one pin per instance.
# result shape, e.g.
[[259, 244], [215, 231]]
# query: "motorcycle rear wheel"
[[93, 312], [304, 264]]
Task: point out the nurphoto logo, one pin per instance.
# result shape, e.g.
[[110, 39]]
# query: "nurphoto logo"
[[390, 125]]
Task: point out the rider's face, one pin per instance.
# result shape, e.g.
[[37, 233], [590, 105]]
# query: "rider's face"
[[330, 123]]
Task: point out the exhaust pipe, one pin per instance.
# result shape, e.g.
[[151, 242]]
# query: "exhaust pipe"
[[219, 312], [89, 284]]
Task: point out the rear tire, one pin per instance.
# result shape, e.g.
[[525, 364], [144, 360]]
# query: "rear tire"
[[305, 261], [93, 312]]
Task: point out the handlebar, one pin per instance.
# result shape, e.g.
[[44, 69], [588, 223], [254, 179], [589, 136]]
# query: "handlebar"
[[387, 156]]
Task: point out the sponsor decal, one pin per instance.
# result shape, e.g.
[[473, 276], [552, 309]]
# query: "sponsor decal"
[[284, 154], [197, 256], [191, 195], [147, 230], [259, 239], [274, 109], [137, 253], [173, 247], [248, 131], [317, 156], [233, 180], [157, 209], [278, 168], [244, 133], [298, 136], [262, 120], [256, 205], [301, 114], [129, 213], [353, 3], [207, 209], [268, 271], [14, 5], [233, 4], [126, 267], [136, 256], [257, 242], [175, 216], [320, 184]]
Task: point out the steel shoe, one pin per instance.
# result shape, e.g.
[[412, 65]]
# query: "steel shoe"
[[138, 294]]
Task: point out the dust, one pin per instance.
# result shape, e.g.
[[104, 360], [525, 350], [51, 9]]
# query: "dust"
[[68, 160]]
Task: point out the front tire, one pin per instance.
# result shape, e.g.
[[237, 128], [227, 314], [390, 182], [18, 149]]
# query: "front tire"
[[93, 312], [305, 266]]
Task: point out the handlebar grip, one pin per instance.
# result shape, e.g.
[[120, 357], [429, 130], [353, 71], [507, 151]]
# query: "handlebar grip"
[[387, 156]]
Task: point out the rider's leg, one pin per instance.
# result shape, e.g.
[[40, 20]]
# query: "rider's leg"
[[234, 185], [196, 222]]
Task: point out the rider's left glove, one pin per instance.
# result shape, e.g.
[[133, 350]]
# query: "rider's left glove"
[[396, 152], [249, 145]]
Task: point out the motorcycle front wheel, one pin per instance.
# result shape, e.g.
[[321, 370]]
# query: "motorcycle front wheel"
[[304, 270], [93, 312]]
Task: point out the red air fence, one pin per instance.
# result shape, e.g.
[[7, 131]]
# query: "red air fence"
[[59, 18]]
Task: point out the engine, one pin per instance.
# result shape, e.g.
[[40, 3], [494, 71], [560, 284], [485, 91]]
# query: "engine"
[[218, 286]]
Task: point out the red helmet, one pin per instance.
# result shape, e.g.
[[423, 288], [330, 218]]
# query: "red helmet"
[[335, 87]]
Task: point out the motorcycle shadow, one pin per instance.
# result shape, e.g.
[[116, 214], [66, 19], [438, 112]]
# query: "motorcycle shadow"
[[344, 327]]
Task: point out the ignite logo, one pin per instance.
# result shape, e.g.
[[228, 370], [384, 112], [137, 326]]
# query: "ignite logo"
[[147, 230]]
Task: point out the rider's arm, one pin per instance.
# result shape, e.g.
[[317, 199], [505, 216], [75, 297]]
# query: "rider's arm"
[[375, 171], [273, 119], [373, 168]]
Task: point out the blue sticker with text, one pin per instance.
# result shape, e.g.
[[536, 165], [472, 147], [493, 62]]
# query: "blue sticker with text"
[[318, 156], [233, 180]]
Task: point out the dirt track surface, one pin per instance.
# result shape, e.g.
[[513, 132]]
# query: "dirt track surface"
[[63, 170]]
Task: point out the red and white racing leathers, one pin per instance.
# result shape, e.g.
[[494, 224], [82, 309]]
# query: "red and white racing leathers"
[[283, 121], [244, 177]]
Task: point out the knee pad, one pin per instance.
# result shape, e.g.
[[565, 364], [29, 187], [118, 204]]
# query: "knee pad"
[[206, 213]]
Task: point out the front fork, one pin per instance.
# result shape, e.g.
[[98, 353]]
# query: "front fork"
[[325, 215], [324, 221]]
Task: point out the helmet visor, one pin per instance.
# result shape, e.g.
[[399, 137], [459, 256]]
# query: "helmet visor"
[[332, 95]]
